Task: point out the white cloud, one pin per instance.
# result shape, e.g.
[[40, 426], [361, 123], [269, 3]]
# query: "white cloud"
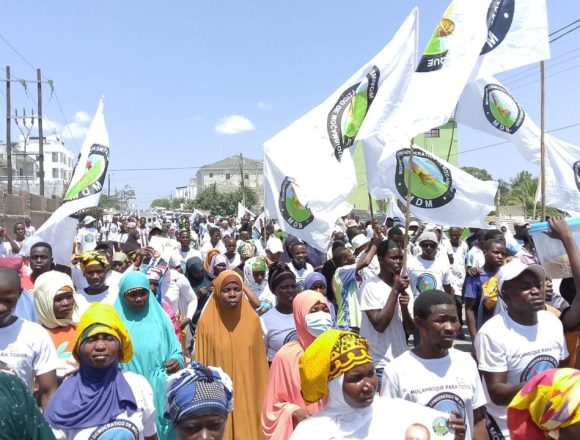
[[234, 124], [82, 117], [265, 105], [77, 128]]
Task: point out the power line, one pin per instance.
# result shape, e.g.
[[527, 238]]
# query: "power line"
[[564, 34], [564, 27]]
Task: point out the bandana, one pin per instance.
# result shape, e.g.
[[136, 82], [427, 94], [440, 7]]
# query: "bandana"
[[246, 250], [92, 258], [332, 354]]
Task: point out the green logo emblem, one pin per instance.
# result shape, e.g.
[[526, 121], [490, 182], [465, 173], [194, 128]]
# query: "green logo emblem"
[[434, 56], [501, 109], [91, 182], [296, 215]]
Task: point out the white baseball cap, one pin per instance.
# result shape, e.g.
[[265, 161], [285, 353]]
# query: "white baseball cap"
[[88, 220], [359, 240], [514, 269]]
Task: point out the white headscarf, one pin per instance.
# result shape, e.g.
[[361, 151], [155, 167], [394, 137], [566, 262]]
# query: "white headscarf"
[[257, 288], [46, 287]]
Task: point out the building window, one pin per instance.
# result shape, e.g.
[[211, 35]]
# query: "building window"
[[55, 157], [210, 174], [247, 176], [433, 133], [55, 172], [228, 176]]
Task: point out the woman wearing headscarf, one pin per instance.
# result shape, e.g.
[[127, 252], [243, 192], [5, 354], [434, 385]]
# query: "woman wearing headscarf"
[[284, 406], [100, 399], [200, 281], [219, 263], [317, 281], [278, 323], [338, 365], [132, 243], [57, 308], [94, 266], [256, 279], [209, 257], [548, 406], [199, 399], [157, 349], [228, 335], [20, 417]]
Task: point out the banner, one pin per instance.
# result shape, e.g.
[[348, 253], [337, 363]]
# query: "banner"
[[317, 147], [488, 106], [432, 94], [83, 192], [242, 210], [517, 35], [282, 202], [440, 193]]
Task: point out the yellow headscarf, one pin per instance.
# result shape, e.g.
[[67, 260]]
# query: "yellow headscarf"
[[547, 403], [331, 354], [102, 318], [91, 258]]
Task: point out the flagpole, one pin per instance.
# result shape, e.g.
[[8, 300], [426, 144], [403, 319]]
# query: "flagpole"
[[542, 145], [408, 208], [371, 207]]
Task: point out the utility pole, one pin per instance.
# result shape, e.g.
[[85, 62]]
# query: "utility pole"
[[242, 176], [40, 137], [8, 134], [108, 184]]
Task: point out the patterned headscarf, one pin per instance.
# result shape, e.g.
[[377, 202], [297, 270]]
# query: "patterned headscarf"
[[332, 354], [91, 258], [210, 254], [547, 403], [196, 389], [255, 264], [246, 249]]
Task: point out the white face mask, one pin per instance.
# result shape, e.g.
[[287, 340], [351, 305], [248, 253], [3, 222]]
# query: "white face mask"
[[318, 322]]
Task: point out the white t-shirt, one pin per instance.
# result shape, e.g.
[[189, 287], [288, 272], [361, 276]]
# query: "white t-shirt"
[[208, 246], [113, 232], [27, 348], [426, 274], [235, 261], [87, 239], [176, 289], [129, 425], [109, 296], [447, 384], [458, 266], [187, 255], [523, 351], [392, 342], [112, 279], [475, 258], [301, 274], [278, 329]]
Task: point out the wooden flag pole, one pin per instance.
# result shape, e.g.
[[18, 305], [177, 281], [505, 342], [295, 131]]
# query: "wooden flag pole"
[[542, 145], [408, 208], [371, 207]]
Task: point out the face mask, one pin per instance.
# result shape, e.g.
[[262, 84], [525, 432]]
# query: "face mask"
[[318, 322]]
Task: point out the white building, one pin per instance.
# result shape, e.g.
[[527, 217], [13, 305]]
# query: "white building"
[[188, 192], [226, 175], [24, 168], [58, 163]]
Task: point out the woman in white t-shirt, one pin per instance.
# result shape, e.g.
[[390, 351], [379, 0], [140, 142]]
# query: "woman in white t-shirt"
[[99, 400], [94, 266], [278, 323]]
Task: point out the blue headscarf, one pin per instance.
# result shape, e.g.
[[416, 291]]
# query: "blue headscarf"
[[313, 277], [198, 389], [154, 341]]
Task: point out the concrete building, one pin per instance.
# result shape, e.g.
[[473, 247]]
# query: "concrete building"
[[226, 175], [187, 192], [24, 169]]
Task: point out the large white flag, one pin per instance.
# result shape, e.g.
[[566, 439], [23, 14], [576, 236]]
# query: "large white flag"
[[431, 97], [315, 151], [440, 192], [283, 202], [83, 192], [488, 106], [517, 35]]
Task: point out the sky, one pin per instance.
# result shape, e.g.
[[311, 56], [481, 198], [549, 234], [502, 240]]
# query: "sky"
[[188, 83]]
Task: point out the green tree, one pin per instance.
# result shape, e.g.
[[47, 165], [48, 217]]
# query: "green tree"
[[478, 173], [161, 203], [210, 199], [109, 202]]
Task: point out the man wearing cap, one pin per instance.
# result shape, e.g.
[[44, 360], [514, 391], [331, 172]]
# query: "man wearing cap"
[[426, 272], [86, 239], [514, 346], [521, 231]]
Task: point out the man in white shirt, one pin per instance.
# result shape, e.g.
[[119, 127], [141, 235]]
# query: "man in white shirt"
[[25, 346], [426, 272], [86, 239], [298, 266], [459, 249], [514, 346], [233, 257], [386, 304], [434, 374], [214, 242], [12, 245], [30, 230], [186, 251]]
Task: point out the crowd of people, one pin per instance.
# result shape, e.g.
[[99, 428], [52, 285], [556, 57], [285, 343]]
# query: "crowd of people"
[[228, 328]]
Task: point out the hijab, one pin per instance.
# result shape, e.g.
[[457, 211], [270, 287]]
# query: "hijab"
[[194, 266], [94, 396], [256, 264], [312, 278], [232, 339], [218, 259], [46, 287], [208, 258]]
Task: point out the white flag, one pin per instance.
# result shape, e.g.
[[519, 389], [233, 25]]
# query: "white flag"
[[83, 192], [488, 106], [283, 202], [440, 192], [517, 35], [431, 96], [315, 151], [242, 210]]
